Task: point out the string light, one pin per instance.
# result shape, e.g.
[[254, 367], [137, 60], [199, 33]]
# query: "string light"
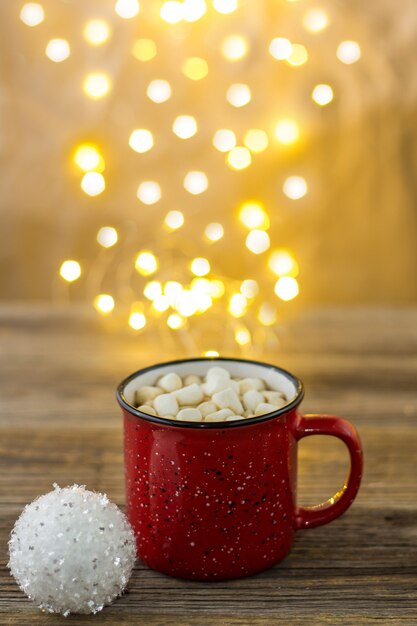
[[107, 236], [224, 140], [283, 263], [193, 10], [287, 131], [87, 157], [184, 126], [315, 20], [160, 303], [159, 91], [172, 290], [256, 140], [214, 231], [257, 241], [239, 158], [298, 56], [32, 14], [242, 336], [104, 303], [267, 314], [96, 85], [57, 50], [144, 49], [295, 187], [237, 305], [93, 183], [175, 321], [195, 68], [174, 220], [70, 270], [238, 95], [225, 7], [195, 182], [253, 215], [286, 288], [137, 321], [249, 288], [171, 12], [200, 266], [234, 47], [96, 32], [141, 140], [322, 94], [216, 288], [152, 290], [348, 52], [127, 8], [280, 48], [146, 263], [149, 192]]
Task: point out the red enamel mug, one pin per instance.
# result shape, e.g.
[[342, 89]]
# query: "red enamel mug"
[[217, 501]]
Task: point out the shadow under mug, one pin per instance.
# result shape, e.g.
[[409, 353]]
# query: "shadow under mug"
[[217, 501]]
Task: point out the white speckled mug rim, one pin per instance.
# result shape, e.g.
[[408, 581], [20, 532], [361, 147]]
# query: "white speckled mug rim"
[[244, 422]]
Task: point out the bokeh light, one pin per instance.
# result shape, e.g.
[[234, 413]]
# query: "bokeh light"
[[242, 336], [141, 140], [93, 183], [32, 14], [225, 7], [96, 85], [280, 48], [171, 11], [295, 187], [267, 314], [238, 95], [298, 56], [282, 262], [193, 10], [175, 321], [257, 241], [174, 220], [87, 157], [146, 263], [256, 140], [137, 321], [107, 236], [70, 270], [315, 20], [159, 91], [96, 32], [322, 94], [149, 192], [185, 126], [195, 182], [57, 50], [348, 52], [286, 288], [224, 140], [127, 8], [239, 158], [195, 68], [152, 290], [234, 47], [253, 215], [237, 305], [104, 303], [249, 288], [144, 49], [214, 231], [200, 266], [287, 131]]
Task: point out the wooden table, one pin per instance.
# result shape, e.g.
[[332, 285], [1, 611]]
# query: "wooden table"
[[60, 423]]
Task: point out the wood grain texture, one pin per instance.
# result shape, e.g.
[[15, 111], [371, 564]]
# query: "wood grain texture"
[[59, 422]]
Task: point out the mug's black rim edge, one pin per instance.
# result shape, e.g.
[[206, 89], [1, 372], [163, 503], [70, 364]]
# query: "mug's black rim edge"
[[209, 425]]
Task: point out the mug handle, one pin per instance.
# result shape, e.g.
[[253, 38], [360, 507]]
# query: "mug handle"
[[305, 426]]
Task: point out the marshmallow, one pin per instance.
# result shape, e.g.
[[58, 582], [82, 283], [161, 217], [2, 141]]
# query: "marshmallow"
[[189, 415], [265, 407], [275, 397], [250, 383], [217, 371], [218, 416], [233, 418], [251, 399], [228, 399], [192, 379], [144, 394], [206, 408], [217, 383], [166, 404], [191, 394], [147, 409], [170, 382]]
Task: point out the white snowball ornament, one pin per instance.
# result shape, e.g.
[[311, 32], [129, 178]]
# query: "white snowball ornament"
[[72, 551]]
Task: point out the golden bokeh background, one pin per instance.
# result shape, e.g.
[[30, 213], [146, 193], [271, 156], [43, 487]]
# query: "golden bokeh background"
[[273, 141]]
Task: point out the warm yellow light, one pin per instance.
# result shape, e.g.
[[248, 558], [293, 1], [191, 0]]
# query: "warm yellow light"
[[204, 302], [149, 192], [225, 7], [171, 12], [287, 131], [196, 182], [96, 32], [96, 85], [32, 14], [253, 215], [200, 266], [283, 263], [315, 20], [175, 321], [242, 336], [257, 241], [187, 302], [237, 305], [193, 10], [161, 303], [107, 236], [256, 140], [322, 94], [224, 140], [127, 8], [286, 288], [249, 288], [144, 49], [174, 220], [238, 95], [348, 52], [159, 91], [217, 288], [298, 56], [137, 321], [141, 140], [88, 158], [234, 47], [152, 289], [239, 158], [57, 50], [146, 263], [172, 289], [267, 314], [70, 270], [195, 68], [214, 231], [295, 187], [104, 303], [203, 285], [184, 126], [280, 48], [93, 183]]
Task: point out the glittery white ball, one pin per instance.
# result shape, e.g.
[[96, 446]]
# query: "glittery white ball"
[[72, 551]]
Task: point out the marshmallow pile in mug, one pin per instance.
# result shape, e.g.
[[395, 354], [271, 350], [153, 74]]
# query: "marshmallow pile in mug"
[[216, 398]]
